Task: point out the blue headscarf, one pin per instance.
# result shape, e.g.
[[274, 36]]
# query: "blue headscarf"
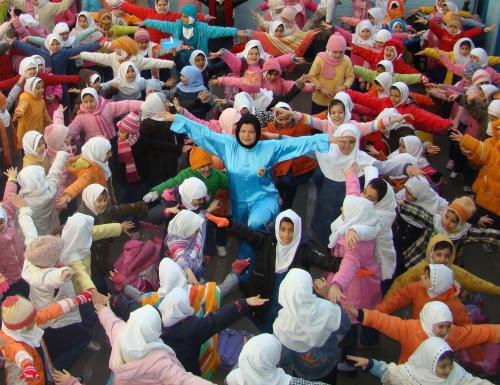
[[194, 80], [397, 21]]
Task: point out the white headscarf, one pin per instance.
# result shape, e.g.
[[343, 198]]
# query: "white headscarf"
[[49, 39], [481, 54], [63, 28], [77, 237], [257, 363], [262, 99], [30, 84], [253, 44], [305, 321], [273, 25], [171, 276], [30, 143], [414, 147], [90, 21], [432, 313], [26, 64], [286, 253], [493, 109], [90, 195], [90, 91], [382, 36], [193, 56], [441, 280], [4, 216], [348, 106], [142, 334], [175, 307], [404, 91], [451, 6], [152, 106], [356, 38], [355, 211], [427, 198], [421, 366], [28, 21], [38, 60], [385, 80], [458, 57], [333, 162], [243, 100], [32, 181], [126, 87], [95, 150], [387, 66], [192, 188], [488, 90], [378, 14], [185, 224]]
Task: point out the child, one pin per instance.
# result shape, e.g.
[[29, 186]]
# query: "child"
[[40, 190], [186, 333], [333, 71], [441, 250], [199, 59], [21, 334], [417, 189], [8, 137], [57, 136], [96, 114], [308, 326], [432, 362], [35, 150], [31, 111], [128, 134], [44, 12], [137, 352], [277, 253], [189, 91]]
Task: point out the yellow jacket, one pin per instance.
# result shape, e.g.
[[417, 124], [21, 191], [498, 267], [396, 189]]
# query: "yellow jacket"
[[81, 268], [33, 160], [467, 280], [35, 116], [344, 76], [431, 8]]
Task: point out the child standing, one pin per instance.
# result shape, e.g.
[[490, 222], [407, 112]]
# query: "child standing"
[[35, 150]]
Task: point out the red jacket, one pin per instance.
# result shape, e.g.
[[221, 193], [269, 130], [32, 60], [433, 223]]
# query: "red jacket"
[[447, 40], [423, 120], [49, 79]]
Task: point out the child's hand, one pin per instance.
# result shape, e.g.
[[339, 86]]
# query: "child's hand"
[[353, 168], [61, 377], [74, 90], [372, 150], [456, 135], [11, 173], [213, 82], [351, 238], [360, 362], [432, 150], [335, 293], [204, 96], [490, 28], [66, 275], [171, 210], [61, 108], [326, 26], [485, 221], [453, 97], [401, 118], [321, 287], [19, 202], [18, 115], [216, 55], [256, 301], [351, 309], [191, 277], [100, 301], [169, 83], [214, 205], [65, 198], [414, 171], [167, 116], [126, 226]]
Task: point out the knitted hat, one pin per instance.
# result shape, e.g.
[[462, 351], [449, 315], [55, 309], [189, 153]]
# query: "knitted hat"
[[17, 312], [470, 67], [127, 44], [190, 10], [452, 19], [129, 124], [44, 251], [398, 46], [198, 157], [271, 64], [481, 76], [336, 42], [141, 34], [464, 207]]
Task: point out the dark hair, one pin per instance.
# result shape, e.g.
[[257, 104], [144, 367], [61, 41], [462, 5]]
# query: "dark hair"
[[443, 245], [287, 220], [467, 43], [380, 186], [447, 354], [252, 120], [336, 102], [103, 194]]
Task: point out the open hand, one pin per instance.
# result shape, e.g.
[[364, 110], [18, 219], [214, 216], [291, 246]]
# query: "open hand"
[[335, 293], [360, 362], [256, 301], [351, 238], [61, 378], [456, 135], [126, 226], [19, 202]]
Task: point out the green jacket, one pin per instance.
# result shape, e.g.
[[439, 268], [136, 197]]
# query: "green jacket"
[[370, 75]]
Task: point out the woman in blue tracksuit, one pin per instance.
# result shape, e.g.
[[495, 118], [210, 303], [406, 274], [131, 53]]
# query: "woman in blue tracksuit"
[[190, 31], [249, 162]]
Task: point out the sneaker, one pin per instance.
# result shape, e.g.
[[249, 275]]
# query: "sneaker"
[[221, 251], [345, 367], [467, 189], [450, 164], [453, 174]]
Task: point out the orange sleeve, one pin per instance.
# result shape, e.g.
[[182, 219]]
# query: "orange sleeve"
[[393, 327], [482, 154], [82, 181], [399, 299], [54, 311], [460, 317], [462, 337]]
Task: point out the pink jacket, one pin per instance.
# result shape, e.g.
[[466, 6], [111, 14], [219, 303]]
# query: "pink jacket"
[[25, 31], [234, 62], [68, 16], [301, 17], [157, 367], [279, 87], [99, 122], [359, 273], [324, 125], [11, 244], [458, 69], [57, 93]]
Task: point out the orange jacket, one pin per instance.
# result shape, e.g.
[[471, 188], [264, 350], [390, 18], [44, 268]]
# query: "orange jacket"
[[410, 335], [86, 172], [487, 184], [299, 165], [415, 295]]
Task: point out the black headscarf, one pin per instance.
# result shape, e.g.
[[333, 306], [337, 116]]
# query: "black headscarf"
[[248, 119]]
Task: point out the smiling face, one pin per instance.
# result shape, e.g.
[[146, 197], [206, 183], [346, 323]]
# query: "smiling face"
[[247, 134], [199, 61], [143, 45], [398, 28], [279, 32], [89, 102], [286, 231], [101, 202], [205, 170], [42, 146], [130, 74], [39, 88], [282, 119], [441, 329], [441, 257], [253, 56], [272, 76], [390, 53]]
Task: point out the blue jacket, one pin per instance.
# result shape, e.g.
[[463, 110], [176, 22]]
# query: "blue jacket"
[[243, 165], [58, 61]]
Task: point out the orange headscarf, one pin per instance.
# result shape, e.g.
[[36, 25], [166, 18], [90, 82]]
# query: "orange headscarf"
[[7, 156]]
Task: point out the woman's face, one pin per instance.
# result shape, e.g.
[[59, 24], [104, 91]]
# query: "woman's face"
[[398, 28], [199, 61], [370, 193], [55, 46], [162, 6], [247, 134], [64, 36], [449, 220], [143, 45], [444, 368], [394, 96], [389, 53], [42, 146], [279, 32], [89, 102], [253, 56], [347, 145], [130, 74], [365, 34], [441, 329], [30, 72], [464, 49], [101, 202], [286, 232], [83, 22], [39, 88], [272, 76], [337, 114]]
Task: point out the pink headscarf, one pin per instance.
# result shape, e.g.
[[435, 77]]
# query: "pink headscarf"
[[227, 119], [336, 42], [55, 136]]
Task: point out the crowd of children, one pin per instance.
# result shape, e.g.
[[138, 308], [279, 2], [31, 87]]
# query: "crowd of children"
[[104, 102]]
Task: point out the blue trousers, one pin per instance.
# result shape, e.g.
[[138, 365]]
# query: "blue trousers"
[[256, 215]]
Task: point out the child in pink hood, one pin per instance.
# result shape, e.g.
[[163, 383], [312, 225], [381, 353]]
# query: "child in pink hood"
[[96, 114], [299, 6], [226, 123], [138, 354]]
